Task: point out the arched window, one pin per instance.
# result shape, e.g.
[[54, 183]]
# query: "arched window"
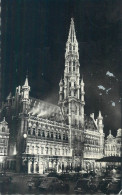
[[63, 136], [55, 151], [66, 137], [50, 151], [47, 150], [48, 135], [39, 134], [43, 133], [32, 149], [63, 152], [34, 131], [56, 136], [51, 134], [29, 131], [3, 129], [59, 136], [42, 150]]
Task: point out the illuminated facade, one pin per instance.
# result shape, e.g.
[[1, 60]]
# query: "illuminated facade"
[[113, 144], [4, 138], [48, 136]]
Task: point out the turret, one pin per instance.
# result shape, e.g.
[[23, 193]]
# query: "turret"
[[25, 94], [61, 90], [100, 122]]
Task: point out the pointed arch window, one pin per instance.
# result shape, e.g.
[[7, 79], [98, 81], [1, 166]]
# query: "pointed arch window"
[[3, 129], [29, 131], [34, 131], [70, 47], [39, 134]]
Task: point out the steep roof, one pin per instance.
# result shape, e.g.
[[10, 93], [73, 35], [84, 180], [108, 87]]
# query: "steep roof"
[[45, 110], [89, 123]]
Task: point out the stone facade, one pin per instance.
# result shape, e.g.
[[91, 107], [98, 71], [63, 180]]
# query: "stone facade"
[[4, 139], [48, 136], [113, 144]]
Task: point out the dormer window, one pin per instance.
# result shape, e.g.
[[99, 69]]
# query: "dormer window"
[[3, 129]]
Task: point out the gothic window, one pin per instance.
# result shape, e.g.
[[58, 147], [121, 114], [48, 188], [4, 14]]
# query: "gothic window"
[[63, 136], [5, 150], [43, 133], [55, 151], [51, 134], [3, 129], [73, 65], [50, 151], [59, 136], [32, 149], [66, 151], [48, 135], [63, 152], [73, 47], [69, 69], [56, 136], [67, 137], [34, 131], [39, 134], [37, 150], [29, 131], [59, 151], [42, 150], [47, 150]]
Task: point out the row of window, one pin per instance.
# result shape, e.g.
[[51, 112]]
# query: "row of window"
[[3, 150], [92, 149], [89, 141], [109, 148], [47, 150], [47, 134]]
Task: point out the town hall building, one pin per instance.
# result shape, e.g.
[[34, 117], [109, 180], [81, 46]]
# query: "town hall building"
[[43, 136]]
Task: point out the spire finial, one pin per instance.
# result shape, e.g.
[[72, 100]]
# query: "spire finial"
[[72, 35], [109, 132]]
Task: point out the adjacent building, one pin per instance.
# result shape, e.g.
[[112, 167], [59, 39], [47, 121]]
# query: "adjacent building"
[[4, 139], [44, 136], [113, 144]]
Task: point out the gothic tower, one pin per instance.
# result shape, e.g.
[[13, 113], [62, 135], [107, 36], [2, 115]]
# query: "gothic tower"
[[71, 93]]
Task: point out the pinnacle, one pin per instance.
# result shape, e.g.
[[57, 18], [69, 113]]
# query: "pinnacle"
[[26, 82]]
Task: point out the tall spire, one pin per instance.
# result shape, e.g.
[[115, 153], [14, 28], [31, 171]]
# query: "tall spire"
[[72, 35], [72, 44]]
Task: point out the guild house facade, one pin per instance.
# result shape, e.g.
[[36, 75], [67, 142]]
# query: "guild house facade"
[[44, 136]]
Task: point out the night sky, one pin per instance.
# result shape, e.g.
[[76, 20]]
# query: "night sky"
[[34, 35]]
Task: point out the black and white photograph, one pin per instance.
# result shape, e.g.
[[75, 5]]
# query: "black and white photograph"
[[60, 97]]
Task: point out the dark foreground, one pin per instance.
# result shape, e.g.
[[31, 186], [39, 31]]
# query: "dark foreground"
[[19, 185]]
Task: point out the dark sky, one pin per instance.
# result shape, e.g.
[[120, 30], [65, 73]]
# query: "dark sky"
[[34, 34]]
